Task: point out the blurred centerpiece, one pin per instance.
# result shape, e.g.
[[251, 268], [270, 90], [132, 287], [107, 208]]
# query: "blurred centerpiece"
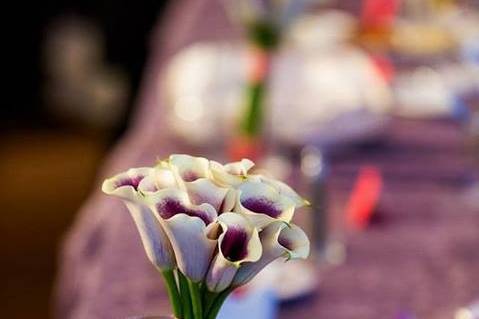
[[283, 86], [209, 228], [264, 22]]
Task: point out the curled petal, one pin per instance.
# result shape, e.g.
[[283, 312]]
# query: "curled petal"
[[185, 225], [157, 245], [232, 173], [278, 240], [230, 201], [193, 249], [204, 190], [238, 242], [160, 178], [262, 204], [189, 168], [125, 185], [170, 202], [294, 242], [283, 189]]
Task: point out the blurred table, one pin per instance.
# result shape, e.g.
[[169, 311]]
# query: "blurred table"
[[421, 256]]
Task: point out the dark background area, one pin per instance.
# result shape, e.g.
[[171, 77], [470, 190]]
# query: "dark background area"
[[50, 163], [124, 24]]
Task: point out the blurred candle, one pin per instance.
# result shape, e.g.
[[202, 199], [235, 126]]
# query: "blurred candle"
[[315, 172], [469, 312]]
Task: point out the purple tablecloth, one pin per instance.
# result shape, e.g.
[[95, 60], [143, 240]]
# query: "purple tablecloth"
[[423, 256]]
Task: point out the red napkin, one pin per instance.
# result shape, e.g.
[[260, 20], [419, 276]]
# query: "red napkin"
[[364, 197]]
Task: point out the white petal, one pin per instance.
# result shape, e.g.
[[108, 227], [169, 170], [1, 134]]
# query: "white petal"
[[189, 168], [170, 202], [221, 274], [294, 241], [159, 178], [232, 222], [229, 201], [262, 204], [283, 189], [204, 190], [278, 239], [157, 245], [125, 185], [271, 251], [232, 173], [193, 249]]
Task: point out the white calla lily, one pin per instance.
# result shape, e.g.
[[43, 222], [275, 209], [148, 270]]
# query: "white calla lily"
[[278, 239], [283, 189], [204, 190], [230, 200], [193, 175], [238, 243], [160, 177], [153, 237], [230, 174], [157, 246], [207, 227], [189, 168], [125, 185], [185, 224], [262, 204]]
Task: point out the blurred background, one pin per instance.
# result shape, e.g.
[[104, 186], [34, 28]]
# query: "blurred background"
[[76, 69], [370, 108]]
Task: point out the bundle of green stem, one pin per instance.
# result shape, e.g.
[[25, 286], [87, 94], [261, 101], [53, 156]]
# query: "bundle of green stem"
[[191, 300]]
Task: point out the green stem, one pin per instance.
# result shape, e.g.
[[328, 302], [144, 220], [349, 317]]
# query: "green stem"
[[195, 299], [185, 296], [208, 300], [220, 299], [173, 294]]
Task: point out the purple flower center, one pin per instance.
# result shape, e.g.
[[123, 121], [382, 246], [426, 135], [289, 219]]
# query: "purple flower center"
[[261, 205], [171, 207], [131, 181], [189, 176], [235, 244], [285, 242]]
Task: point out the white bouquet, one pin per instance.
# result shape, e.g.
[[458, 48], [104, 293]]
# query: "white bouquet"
[[209, 228]]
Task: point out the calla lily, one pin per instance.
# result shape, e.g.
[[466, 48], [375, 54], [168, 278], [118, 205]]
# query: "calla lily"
[[263, 204], [193, 175], [189, 168], [125, 185], [283, 189], [157, 246], [185, 224], [238, 243], [154, 239], [278, 240], [204, 190], [208, 225], [160, 177], [231, 174]]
